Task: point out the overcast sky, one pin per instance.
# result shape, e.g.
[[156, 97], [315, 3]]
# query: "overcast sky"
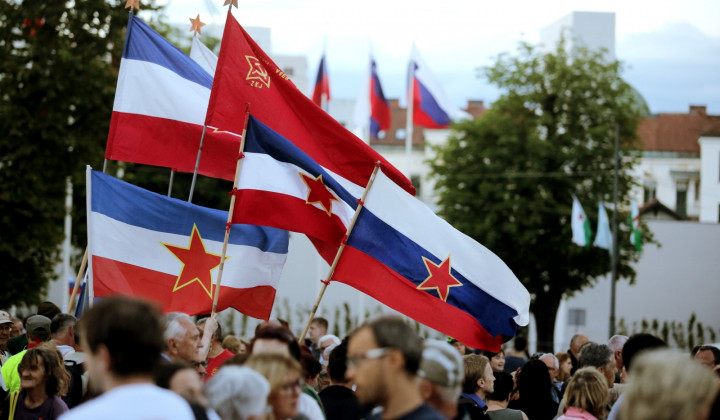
[[671, 49]]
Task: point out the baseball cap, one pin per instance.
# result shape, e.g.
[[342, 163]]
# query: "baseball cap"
[[441, 364], [37, 324], [5, 318]]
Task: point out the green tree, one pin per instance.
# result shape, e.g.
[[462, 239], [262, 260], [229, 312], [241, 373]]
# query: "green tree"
[[507, 178], [57, 83]]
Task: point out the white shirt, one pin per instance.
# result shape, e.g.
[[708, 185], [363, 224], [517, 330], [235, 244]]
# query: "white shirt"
[[133, 402], [309, 407]]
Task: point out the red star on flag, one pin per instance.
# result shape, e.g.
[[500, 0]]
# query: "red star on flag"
[[440, 278], [318, 193], [197, 263]]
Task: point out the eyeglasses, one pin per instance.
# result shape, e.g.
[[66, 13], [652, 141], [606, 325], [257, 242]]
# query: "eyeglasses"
[[289, 387], [368, 355]]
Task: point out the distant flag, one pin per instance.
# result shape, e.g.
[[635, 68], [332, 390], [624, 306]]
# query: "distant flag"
[[635, 229], [168, 250], [202, 55], [431, 107], [159, 109], [245, 74], [402, 254], [321, 93], [581, 231], [379, 106], [603, 239]]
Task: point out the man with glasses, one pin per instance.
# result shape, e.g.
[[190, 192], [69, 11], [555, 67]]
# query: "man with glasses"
[[383, 360]]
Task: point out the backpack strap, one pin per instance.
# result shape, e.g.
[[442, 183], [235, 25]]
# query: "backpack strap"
[[13, 404]]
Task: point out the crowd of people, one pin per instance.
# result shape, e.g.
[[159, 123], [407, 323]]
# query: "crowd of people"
[[124, 360]]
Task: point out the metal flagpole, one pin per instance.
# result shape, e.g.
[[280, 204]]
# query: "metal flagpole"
[[614, 256], [172, 175], [197, 164], [230, 212], [327, 280], [410, 110]]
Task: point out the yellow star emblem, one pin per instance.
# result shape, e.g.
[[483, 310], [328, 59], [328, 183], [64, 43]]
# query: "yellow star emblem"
[[196, 25]]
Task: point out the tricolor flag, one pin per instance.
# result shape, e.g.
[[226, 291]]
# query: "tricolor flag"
[[202, 55], [160, 105], [321, 92], [379, 106], [581, 231], [402, 254], [281, 186], [245, 74], [431, 108], [168, 250], [603, 238], [635, 229]]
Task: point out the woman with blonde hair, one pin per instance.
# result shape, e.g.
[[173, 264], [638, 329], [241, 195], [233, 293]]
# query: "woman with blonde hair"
[[586, 395], [284, 375], [564, 366], [43, 379]]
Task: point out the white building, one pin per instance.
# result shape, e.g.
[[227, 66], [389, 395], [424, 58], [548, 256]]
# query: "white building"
[[710, 177]]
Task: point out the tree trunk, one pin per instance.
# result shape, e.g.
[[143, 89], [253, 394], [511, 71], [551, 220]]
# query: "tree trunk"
[[545, 307]]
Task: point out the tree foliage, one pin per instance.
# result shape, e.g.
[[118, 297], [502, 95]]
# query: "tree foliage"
[[507, 178], [57, 83]]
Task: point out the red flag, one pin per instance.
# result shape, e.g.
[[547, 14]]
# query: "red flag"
[[322, 84], [246, 74]]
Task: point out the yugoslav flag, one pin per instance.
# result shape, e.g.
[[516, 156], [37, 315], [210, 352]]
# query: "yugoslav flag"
[[431, 107], [281, 186], [159, 110], [202, 55], [379, 106], [321, 93], [581, 231], [168, 250], [603, 238], [402, 254], [245, 74]]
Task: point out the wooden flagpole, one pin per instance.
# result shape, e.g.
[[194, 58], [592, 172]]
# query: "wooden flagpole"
[[197, 164], [230, 212], [78, 279], [327, 280]]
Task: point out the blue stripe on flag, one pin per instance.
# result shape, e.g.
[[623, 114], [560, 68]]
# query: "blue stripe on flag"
[[145, 44], [430, 106], [120, 201], [262, 139], [376, 238]]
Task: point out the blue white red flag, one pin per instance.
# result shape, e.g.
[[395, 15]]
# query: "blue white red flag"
[[379, 106], [159, 110], [168, 250], [402, 254], [281, 186], [431, 106], [245, 74], [321, 92]]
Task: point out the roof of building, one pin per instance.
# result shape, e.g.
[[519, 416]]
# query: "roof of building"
[[677, 132], [654, 206]]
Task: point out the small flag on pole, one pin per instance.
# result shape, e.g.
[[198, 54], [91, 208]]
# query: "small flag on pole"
[[635, 230], [581, 231], [603, 239], [379, 107], [321, 94]]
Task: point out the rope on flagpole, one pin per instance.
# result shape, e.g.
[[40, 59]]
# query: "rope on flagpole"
[[233, 196], [326, 282], [78, 279]]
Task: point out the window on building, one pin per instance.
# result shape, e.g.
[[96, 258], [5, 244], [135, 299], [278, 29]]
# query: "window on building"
[[681, 198], [576, 317], [415, 179], [697, 190]]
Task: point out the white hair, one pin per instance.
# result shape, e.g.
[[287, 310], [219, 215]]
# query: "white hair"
[[172, 326], [237, 392], [616, 342], [557, 363], [332, 337]]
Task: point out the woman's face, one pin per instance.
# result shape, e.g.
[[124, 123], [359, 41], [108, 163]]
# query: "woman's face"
[[284, 400], [460, 347], [498, 362], [33, 375], [566, 367]]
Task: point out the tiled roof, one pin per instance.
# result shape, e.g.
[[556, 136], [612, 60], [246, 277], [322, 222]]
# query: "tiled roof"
[[677, 132]]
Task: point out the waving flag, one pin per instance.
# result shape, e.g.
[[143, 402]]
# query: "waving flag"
[[281, 186], [581, 231], [431, 107], [603, 238], [635, 229], [379, 106], [403, 255], [159, 109], [321, 93], [202, 55], [246, 74], [167, 250]]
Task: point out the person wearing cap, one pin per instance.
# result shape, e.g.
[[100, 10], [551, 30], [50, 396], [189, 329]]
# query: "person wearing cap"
[[38, 331], [20, 342], [441, 373], [6, 324]]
